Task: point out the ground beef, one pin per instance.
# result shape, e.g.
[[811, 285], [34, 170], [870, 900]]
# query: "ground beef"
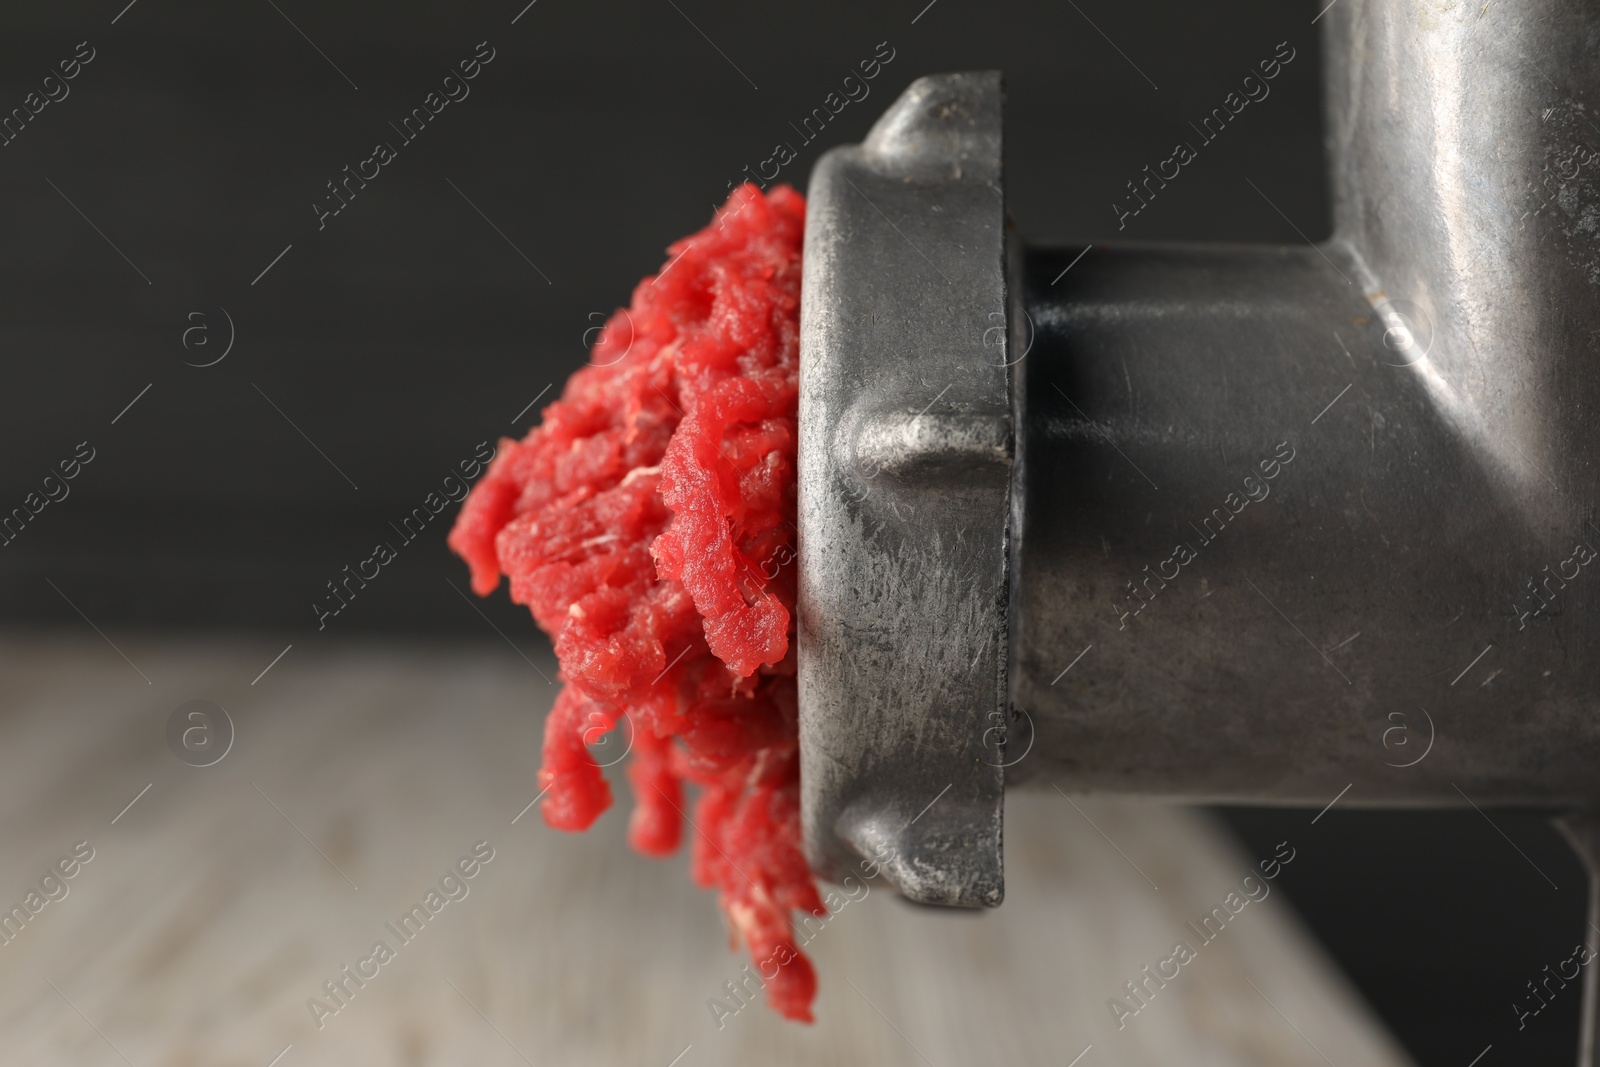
[[648, 524]]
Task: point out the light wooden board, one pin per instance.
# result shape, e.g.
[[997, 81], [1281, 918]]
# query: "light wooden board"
[[219, 903]]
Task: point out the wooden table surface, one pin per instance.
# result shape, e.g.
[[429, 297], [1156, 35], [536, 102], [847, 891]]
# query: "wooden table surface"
[[216, 906]]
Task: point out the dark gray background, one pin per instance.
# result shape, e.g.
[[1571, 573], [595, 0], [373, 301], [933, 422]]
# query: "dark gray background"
[[409, 330]]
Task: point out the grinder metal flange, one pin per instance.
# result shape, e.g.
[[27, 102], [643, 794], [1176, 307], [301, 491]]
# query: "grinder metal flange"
[[905, 473]]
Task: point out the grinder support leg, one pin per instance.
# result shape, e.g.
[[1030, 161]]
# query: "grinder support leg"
[[1583, 831]]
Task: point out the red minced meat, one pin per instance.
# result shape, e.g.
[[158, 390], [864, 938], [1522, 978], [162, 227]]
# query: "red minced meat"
[[648, 523]]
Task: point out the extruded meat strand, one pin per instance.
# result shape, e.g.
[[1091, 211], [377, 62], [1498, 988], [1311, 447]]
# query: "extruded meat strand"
[[648, 523]]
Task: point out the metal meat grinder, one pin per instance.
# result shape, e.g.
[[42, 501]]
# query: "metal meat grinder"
[[1127, 507]]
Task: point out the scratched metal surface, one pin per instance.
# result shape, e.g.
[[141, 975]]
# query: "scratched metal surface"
[[219, 902]]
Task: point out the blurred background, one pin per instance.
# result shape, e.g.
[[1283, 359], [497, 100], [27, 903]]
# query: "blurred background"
[[267, 389]]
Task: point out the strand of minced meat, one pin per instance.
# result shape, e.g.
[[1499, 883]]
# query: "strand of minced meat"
[[648, 524]]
